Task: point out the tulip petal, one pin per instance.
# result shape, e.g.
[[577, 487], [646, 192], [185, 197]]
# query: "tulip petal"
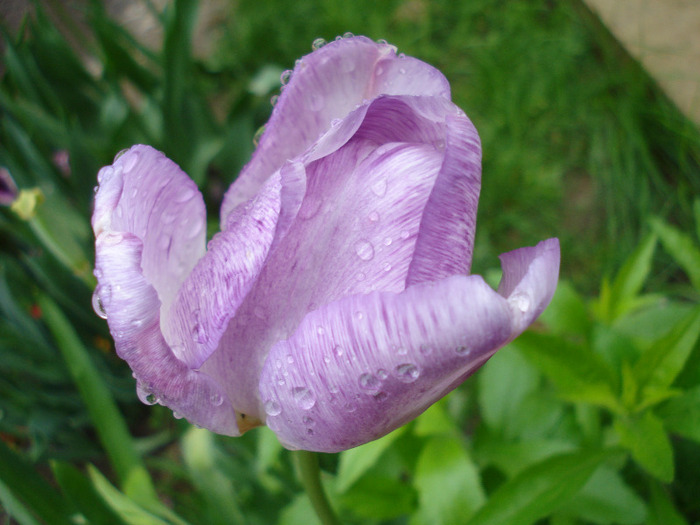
[[215, 288], [325, 85], [132, 308], [446, 238], [354, 233], [146, 194], [362, 366]]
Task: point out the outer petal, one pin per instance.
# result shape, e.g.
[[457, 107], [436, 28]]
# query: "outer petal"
[[523, 283], [326, 85], [132, 307], [146, 194], [360, 367]]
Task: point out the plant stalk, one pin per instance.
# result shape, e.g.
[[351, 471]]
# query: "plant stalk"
[[309, 474]]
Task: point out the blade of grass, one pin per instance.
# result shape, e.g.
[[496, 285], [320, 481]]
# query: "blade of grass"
[[109, 423]]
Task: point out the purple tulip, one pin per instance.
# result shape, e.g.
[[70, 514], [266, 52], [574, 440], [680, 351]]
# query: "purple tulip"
[[336, 303]]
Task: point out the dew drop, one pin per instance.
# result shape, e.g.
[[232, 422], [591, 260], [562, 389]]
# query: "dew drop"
[[122, 152], [402, 71], [304, 397], [97, 303], [258, 135], [308, 421], [177, 415], [381, 374], [151, 399], [285, 77], [364, 249], [387, 241], [274, 99], [373, 216], [338, 351], [387, 267], [290, 359], [130, 161], [216, 399], [184, 195], [318, 43], [379, 188], [320, 330], [425, 349], [272, 407], [360, 276], [405, 235], [350, 407], [380, 396], [521, 301], [348, 34], [369, 381], [359, 315], [463, 350], [401, 350], [407, 372]]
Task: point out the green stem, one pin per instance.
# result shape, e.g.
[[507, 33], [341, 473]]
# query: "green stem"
[[309, 474]]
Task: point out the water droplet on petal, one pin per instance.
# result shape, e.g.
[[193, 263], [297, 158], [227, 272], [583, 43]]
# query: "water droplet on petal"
[[97, 303], [338, 351], [122, 152], [285, 77], [304, 397], [381, 374], [185, 194], [373, 216], [274, 99], [379, 188], [425, 349], [463, 350], [348, 34], [382, 41], [380, 396], [387, 267], [387, 241], [258, 135], [216, 399], [308, 421], [359, 315], [130, 161], [407, 372], [521, 301], [272, 407], [368, 381], [318, 43], [364, 249], [402, 71], [405, 235]]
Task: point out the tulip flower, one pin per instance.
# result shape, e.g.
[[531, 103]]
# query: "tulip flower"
[[336, 303]]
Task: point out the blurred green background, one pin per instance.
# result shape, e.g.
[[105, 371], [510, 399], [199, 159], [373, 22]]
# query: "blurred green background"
[[591, 417]]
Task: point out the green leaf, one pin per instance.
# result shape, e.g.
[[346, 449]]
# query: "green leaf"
[[513, 457], [299, 512], [682, 414], [607, 500], [681, 247], [201, 458], [435, 421], [126, 508], [109, 423], [379, 497], [661, 509], [28, 491], [503, 384], [80, 491], [625, 288], [696, 214], [578, 373], [661, 363], [448, 483], [539, 490], [355, 462], [567, 314], [647, 441]]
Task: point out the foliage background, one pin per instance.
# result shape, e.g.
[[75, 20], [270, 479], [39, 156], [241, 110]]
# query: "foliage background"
[[591, 417]]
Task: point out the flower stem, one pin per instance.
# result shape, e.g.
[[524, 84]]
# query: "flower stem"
[[309, 474]]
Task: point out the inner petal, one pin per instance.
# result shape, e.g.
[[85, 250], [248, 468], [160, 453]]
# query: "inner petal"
[[355, 233]]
